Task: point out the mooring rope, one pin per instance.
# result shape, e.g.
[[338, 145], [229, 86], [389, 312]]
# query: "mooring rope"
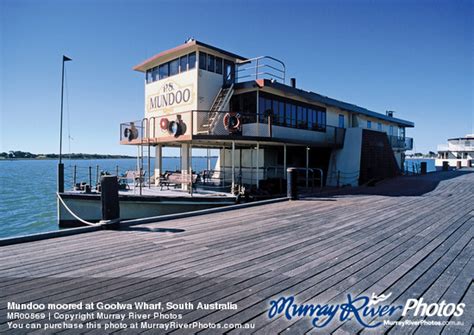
[[74, 215]]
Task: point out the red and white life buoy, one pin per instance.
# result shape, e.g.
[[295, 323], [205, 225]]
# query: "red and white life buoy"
[[232, 122], [164, 124]]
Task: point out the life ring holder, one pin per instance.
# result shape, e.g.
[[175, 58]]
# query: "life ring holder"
[[130, 133], [232, 122]]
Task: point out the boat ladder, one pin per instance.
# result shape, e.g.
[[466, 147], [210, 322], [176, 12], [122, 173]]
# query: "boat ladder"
[[221, 100]]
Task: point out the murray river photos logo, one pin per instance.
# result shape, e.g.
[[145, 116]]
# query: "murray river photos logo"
[[367, 311]]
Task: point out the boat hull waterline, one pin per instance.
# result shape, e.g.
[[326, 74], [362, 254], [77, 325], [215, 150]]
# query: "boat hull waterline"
[[88, 207]]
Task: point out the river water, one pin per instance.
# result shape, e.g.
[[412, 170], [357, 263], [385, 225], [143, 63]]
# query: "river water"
[[28, 188]]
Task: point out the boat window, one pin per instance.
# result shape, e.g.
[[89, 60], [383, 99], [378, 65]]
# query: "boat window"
[[148, 77], [210, 63], [249, 106], [183, 64], [155, 74], [391, 130], [320, 120], [202, 60], [275, 113], [293, 116], [191, 60], [164, 71], [282, 113], [290, 113], [341, 121], [379, 126], [268, 110], [369, 124], [311, 118], [174, 67], [219, 65], [301, 117]]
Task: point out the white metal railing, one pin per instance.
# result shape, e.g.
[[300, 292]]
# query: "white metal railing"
[[263, 67], [455, 147]]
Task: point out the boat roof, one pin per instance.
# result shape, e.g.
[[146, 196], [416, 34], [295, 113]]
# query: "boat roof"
[[467, 137], [309, 95], [190, 44]]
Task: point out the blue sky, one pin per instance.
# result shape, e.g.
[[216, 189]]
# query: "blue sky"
[[416, 58]]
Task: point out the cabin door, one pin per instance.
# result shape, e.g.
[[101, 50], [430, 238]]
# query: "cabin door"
[[229, 73]]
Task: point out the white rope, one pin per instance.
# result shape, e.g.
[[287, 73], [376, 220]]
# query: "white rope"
[[74, 215]]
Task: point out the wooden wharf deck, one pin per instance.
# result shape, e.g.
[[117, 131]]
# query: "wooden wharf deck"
[[410, 236]]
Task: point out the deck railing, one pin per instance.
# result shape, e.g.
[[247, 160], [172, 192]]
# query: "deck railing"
[[264, 67], [199, 123], [401, 143]]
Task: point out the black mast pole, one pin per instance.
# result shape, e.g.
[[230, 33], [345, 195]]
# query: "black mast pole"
[[61, 165]]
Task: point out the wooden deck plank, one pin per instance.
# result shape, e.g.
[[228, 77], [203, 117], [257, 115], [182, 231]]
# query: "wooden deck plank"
[[416, 245]]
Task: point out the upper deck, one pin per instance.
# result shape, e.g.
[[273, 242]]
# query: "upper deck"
[[200, 93], [460, 144]]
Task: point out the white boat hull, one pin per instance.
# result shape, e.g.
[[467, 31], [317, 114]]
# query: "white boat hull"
[[88, 206]]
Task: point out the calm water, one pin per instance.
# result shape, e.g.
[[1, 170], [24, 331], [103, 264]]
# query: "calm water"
[[415, 162], [27, 189]]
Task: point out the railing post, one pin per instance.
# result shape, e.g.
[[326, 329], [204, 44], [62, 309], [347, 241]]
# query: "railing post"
[[256, 70], [97, 176], [90, 176], [338, 177], [74, 177]]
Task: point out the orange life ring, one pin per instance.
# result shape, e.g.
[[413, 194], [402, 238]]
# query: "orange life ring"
[[232, 122]]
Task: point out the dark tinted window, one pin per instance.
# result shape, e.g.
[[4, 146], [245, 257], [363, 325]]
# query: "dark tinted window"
[[148, 77], [183, 63], [202, 60], [210, 63], [164, 71], [174, 67], [219, 65], [191, 61], [282, 113]]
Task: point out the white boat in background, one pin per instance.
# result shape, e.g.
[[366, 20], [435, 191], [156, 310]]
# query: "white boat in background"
[[459, 152], [198, 96]]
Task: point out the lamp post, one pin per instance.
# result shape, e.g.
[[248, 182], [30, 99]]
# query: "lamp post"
[[60, 164]]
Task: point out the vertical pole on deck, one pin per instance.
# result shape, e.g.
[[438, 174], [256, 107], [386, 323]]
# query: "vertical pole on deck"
[[208, 160], [258, 165], [284, 161], [223, 166], [149, 167], [190, 168], [90, 176], [158, 162], [116, 170], [233, 165], [256, 70], [258, 113], [96, 176], [74, 178], [307, 167]]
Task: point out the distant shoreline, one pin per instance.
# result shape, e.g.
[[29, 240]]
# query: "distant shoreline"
[[87, 158]]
